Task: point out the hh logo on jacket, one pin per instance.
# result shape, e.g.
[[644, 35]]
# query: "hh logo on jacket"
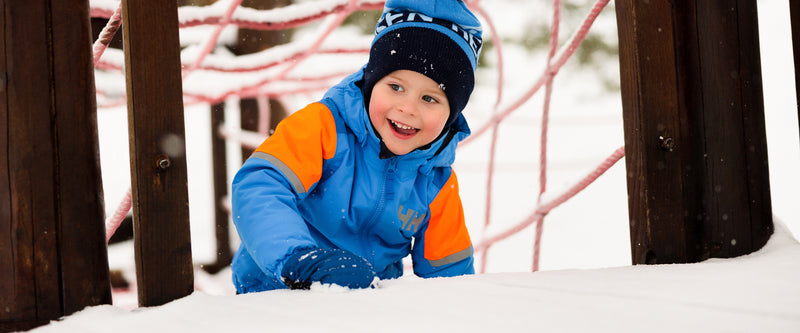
[[410, 219]]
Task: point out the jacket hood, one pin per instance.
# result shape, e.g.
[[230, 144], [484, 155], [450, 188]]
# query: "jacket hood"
[[347, 100]]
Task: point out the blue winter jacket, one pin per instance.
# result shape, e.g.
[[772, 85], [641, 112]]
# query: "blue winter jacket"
[[319, 182]]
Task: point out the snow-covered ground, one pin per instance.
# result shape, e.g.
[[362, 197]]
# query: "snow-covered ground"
[[753, 293], [586, 281]]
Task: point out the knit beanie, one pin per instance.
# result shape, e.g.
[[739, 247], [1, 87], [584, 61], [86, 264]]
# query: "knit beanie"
[[440, 39]]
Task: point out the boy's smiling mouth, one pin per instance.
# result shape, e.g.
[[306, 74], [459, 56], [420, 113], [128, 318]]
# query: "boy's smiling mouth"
[[402, 129]]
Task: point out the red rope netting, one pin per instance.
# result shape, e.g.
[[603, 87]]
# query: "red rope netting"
[[274, 75]]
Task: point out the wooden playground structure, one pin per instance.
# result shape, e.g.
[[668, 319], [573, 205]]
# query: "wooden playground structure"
[[695, 142]]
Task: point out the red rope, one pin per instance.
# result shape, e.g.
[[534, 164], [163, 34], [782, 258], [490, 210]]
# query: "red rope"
[[257, 89], [290, 58], [255, 19], [489, 195], [548, 92], [107, 34], [545, 80], [101, 12], [99, 47], [282, 22], [543, 210], [337, 21], [113, 222], [492, 150], [563, 55], [498, 46], [279, 19], [212, 41]]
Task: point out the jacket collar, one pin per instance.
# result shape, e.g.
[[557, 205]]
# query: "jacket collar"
[[346, 98]]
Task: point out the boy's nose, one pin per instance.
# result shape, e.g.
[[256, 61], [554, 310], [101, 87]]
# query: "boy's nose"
[[407, 106]]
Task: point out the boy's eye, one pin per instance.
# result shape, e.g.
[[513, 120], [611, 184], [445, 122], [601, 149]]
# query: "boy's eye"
[[395, 87], [429, 99]]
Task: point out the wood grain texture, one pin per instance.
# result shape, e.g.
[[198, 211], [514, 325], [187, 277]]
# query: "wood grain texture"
[[690, 73], [52, 238], [162, 241]]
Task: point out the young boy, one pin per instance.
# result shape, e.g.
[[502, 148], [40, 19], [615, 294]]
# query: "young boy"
[[341, 188]]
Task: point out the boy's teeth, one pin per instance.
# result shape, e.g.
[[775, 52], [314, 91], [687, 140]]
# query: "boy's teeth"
[[401, 126]]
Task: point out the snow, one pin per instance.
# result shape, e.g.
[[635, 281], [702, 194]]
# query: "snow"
[[752, 293], [586, 282], [279, 15]]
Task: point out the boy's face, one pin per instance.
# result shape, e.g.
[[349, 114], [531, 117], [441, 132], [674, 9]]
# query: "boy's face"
[[408, 110]]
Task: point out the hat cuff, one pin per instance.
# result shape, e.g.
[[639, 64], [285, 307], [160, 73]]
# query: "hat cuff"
[[425, 50]]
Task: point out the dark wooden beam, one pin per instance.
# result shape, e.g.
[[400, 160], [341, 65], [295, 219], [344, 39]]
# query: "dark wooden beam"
[[220, 181], [83, 256], [650, 106], [162, 238], [696, 155], [29, 288], [51, 201], [794, 10]]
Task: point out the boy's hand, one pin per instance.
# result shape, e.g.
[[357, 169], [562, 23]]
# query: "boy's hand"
[[328, 266]]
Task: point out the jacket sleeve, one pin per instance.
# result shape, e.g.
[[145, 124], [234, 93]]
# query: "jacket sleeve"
[[443, 247], [272, 182]]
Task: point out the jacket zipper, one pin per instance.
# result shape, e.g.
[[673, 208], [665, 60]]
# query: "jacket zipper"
[[386, 193]]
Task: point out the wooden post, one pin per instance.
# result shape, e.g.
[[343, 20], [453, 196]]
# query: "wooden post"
[[220, 168], [52, 236], [794, 10], [162, 241], [693, 112]]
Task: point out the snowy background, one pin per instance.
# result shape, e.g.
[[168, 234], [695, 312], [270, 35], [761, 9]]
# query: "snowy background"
[[586, 281]]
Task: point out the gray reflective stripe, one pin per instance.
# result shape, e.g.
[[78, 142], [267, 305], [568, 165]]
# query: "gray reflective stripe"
[[290, 175], [455, 257]]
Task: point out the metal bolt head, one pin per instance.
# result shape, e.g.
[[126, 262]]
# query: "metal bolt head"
[[163, 162], [666, 143]]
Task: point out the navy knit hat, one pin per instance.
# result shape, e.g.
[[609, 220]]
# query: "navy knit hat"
[[440, 39]]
